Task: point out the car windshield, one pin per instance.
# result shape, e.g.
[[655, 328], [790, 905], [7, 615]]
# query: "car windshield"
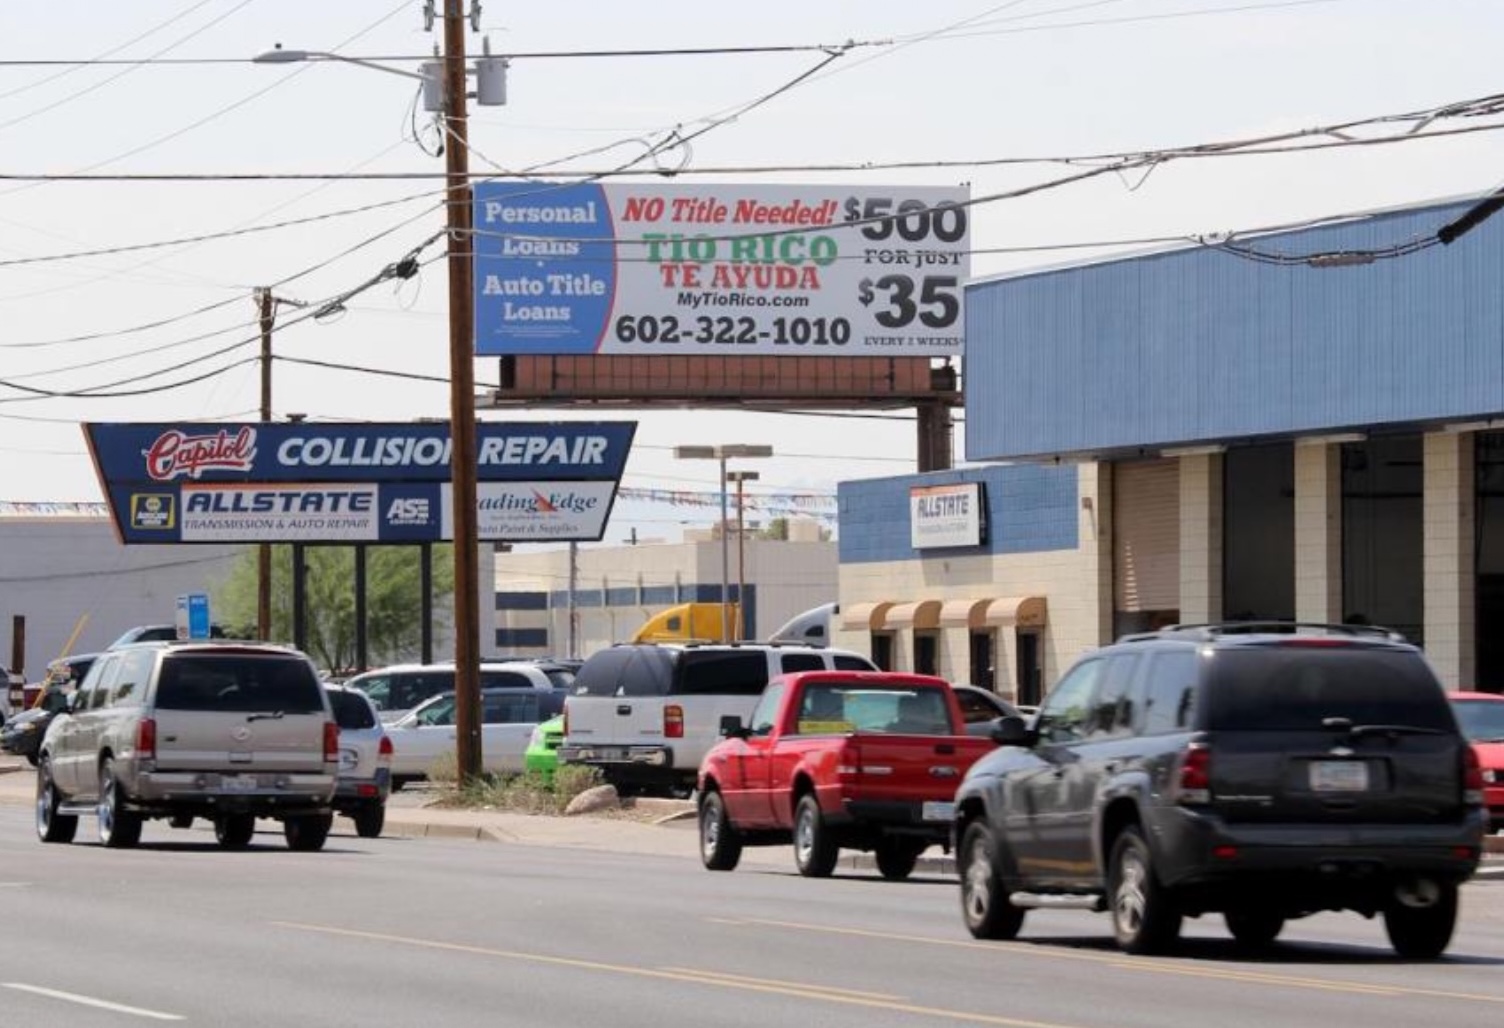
[[1481, 720], [836, 708]]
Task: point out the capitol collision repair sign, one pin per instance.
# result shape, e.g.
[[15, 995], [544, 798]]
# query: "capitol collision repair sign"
[[377, 483], [764, 270]]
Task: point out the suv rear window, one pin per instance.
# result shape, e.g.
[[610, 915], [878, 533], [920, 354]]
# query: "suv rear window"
[[239, 682], [1286, 688], [722, 673], [351, 709]]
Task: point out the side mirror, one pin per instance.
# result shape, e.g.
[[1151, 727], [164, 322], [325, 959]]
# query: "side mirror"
[[1011, 731], [732, 728]]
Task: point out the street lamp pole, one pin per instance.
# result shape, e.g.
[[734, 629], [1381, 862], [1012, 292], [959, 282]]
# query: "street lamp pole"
[[461, 400], [740, 477], [720, 454]]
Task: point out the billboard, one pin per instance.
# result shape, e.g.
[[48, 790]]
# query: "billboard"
[[345, 483], [946, 515], [748, 270]]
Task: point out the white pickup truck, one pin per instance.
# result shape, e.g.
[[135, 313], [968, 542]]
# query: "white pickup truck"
[[645, 715]]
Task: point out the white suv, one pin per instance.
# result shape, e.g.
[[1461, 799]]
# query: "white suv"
[[645, 715]]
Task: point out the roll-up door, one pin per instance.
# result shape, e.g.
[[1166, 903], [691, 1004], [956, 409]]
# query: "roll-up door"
[[1146, 538]]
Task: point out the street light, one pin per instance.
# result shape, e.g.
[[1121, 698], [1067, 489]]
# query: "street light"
[[444, 86], [722, 453], [740, 477]]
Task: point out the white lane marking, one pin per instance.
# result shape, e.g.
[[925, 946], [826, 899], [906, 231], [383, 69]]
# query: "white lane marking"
[[89, 1001]]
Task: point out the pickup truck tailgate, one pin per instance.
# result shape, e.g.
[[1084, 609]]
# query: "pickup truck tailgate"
[[907, 768]]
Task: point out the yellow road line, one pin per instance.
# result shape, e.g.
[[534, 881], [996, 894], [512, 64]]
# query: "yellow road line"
[[720, 976], [793, 989]]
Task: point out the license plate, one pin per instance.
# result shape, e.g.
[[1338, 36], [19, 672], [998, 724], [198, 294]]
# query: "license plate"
[[239, 783], [1339, 776], [937, 811]]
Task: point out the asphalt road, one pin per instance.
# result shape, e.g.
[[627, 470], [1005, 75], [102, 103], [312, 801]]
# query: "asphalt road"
[[438, 933]]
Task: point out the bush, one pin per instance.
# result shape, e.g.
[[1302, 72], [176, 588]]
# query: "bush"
[[527, 793]]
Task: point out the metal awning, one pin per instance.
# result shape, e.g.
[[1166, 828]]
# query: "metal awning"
[[1020, 611], [864, 617], [921, 615]]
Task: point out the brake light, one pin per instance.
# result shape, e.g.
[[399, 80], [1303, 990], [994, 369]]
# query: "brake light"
[[1195, 784], [673, 721], [384, 752], [146, 739], [331, 742], [1472, 778]]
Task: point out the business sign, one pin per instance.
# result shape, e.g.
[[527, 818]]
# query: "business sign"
[[946, 515], [764, 270], [377, 483], [192, 617]]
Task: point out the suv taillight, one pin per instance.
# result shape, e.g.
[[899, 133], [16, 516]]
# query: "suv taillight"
[[384, 752], [146, 739], [1195, 783], [331, 742], [673, 721], [1472, 777]]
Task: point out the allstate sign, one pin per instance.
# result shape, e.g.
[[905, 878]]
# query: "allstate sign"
[[354, 483]]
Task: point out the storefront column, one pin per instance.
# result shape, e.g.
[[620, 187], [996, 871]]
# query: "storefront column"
[[1094, 483], [1318, 532], [1449, 574], [1201, 538]]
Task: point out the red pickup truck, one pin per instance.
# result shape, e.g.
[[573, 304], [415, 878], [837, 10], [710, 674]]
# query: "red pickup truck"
[[866, 760]]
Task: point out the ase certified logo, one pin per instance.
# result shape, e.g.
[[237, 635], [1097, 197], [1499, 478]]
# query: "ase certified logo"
[[412, 510], [153, 511]]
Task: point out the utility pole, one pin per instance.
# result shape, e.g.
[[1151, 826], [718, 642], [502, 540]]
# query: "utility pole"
[[741, 477], [462, 400], [268, 309]]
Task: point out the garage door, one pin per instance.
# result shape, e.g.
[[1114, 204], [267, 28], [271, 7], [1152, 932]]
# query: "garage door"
[[1146, 538]]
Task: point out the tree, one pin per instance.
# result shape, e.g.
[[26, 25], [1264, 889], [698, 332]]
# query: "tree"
[[394, 605]]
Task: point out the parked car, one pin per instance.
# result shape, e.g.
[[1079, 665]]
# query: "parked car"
[[832, 759], [1481, 715], [225, 731], [645, 714], [22, 734], [981, 709], [365, 761], [542, 754], [399, 689], [1262, 772], [427, 735]]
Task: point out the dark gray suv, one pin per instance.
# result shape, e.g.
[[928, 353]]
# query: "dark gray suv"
[[1263, 771]]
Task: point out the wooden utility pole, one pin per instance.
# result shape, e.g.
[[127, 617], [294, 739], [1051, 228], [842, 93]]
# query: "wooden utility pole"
[[462, 467], [268, 309]]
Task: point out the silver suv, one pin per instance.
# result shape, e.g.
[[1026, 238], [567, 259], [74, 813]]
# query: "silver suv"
[[225, 731], [365, 760]]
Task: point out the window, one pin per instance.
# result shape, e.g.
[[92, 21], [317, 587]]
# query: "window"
[[1170, 693], [1063, 717], [510, 708], [99, 695], [437, 714], [767, 710], [379, 689], [505, 680], [1290, 688], [1113, 709], [238, 682], [602, 674], [102, 671], [791, 662], [351, 710], [722, 673], [842, 662], [822, 711], [975, 707], [130, 683]]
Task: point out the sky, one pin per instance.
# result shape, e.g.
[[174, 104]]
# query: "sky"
[[167, 87]]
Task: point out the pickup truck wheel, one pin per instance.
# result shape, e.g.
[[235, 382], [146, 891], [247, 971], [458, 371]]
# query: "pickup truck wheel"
[[306, 833], [720, 844], [897, 858], [370, 820], [815, 852], [51, 826], [1419, 921], [234, 831], [1253, 929], [985, 906], [1144, 918], [118, 827]]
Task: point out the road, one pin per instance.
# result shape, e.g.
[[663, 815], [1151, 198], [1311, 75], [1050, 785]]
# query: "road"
[[444, 933]]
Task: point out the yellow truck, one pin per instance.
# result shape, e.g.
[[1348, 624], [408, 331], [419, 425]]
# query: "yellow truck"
[[690, 622]]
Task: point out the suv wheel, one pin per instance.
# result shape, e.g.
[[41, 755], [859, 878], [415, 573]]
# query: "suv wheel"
[[1144, 918], [985, 906], [720, 843], [1420, 919], [370, 820], [234, 831], [815, 852], [118, 828], [51, 826], [1253, 929], [306, 833], [897, 858]]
